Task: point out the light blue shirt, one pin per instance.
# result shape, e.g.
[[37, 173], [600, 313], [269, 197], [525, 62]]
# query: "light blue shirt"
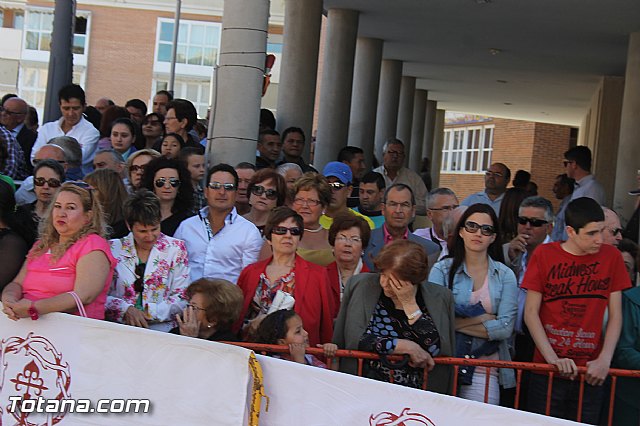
[[482, 198]]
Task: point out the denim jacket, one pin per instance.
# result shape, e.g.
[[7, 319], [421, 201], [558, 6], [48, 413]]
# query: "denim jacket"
[[503, 290]]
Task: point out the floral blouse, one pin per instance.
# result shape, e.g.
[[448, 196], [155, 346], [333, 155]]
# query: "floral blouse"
[[166, 278]]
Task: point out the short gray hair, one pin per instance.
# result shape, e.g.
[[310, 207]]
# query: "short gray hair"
[[71, 147], [391, 141], [282, 169], [438, 191], [118, 158], [541, 203]]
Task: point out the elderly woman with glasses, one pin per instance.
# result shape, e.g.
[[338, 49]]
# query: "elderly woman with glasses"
[[267, 191], [485, 293], [152, 272], [136, 165], [170, 180], [70, 267], [285, 280]]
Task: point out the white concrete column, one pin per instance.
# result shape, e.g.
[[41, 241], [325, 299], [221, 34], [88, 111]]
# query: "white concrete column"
[[629, 148], [429, 130], [438, 143], [337, 80], [238, 84], [405, 111], [299, 67], [388, 99], [364, 100], [417, 130]]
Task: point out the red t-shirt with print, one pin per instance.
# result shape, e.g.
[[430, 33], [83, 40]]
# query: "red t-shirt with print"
[[575, 294]]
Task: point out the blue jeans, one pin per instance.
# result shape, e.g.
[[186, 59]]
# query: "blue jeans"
[[564, 398]]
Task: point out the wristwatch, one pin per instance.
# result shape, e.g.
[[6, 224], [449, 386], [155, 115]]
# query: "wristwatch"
[[33, 312]]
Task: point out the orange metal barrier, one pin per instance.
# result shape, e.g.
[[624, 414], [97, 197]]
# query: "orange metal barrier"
[[456, 363]]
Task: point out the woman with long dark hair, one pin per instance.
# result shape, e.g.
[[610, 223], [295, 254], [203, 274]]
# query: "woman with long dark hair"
[[484, 290]]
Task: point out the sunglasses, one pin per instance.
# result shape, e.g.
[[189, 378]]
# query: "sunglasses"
[[536, 223], [174, 182], [138, 168], [138, 284], [337, 186], [616, 231], [53, 182], [472, 228], [281, 230], [225, 186], [258, 190]]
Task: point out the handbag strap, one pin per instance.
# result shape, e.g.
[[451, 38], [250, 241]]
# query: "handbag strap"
[[79, 304]]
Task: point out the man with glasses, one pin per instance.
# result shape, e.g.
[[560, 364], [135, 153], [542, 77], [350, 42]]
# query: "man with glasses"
[[220, 243], [399, 209], [394, 171], [612, 233], [339, 177], [14, 113], [440, 204], [496, 179]]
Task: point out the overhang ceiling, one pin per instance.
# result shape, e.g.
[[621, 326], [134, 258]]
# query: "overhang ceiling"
[[549, 59]]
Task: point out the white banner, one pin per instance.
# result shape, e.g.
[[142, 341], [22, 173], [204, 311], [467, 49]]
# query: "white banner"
[[186, 381], [300, 394]]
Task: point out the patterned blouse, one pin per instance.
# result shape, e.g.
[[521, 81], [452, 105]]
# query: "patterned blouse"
[[389, 324], [266, 291]]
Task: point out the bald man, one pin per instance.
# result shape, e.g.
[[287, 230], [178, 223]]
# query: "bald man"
[[103, 103], [612, 232]]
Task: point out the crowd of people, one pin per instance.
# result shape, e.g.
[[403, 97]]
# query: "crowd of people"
[[119, 219]]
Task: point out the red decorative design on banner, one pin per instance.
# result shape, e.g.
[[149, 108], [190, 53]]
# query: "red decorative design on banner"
[[405, 418], [43, 374]]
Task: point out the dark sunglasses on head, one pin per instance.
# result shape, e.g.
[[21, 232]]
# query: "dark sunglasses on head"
[[258, 190], [138, 284], [174, 182], [135, 168], [225, 186], [536, 223], [337, 185], [53, 182], [472, 228], [281, 230]]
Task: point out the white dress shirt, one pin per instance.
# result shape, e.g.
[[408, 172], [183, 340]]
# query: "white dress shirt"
[[220, 255]]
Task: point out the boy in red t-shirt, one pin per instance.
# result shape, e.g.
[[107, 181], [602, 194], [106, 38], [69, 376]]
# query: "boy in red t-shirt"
[[569, 286]]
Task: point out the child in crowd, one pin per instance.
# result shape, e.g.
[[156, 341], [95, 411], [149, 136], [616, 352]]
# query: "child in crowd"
[[171, 145], [284, 327]]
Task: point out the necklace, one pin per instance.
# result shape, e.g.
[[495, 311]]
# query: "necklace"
[[318, 229]]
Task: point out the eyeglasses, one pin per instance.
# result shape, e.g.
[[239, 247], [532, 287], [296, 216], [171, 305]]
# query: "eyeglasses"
[[6, 111], [302, 202], [345, 239], [138, 284], [403, 206], [36, 161], [337, 186], [489, 173], [197, 308], [258, 190], [472, 228], [616, 231], [447, 208], [53, 182], [281, 230], [536, 223], [225, 186], [135, 168], [174, 182]]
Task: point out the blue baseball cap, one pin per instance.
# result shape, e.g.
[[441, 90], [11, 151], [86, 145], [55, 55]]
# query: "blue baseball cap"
[[339, 170]]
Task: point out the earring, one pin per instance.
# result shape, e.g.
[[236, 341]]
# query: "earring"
[[209, 325]]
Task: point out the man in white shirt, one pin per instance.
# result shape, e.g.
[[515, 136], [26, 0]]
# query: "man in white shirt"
[[394, 172], [440, 204], [220, 243], [72, 123]]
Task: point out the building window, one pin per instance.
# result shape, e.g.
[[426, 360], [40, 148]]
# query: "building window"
[[40, 25], [194, 90], [197, 42], [467, 149]]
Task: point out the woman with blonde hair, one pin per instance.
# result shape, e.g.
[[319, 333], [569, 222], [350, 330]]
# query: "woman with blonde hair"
[[136, 164], [111, 193], [70, 267]]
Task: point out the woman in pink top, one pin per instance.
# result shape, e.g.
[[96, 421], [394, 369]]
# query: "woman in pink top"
[[71, 263]]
